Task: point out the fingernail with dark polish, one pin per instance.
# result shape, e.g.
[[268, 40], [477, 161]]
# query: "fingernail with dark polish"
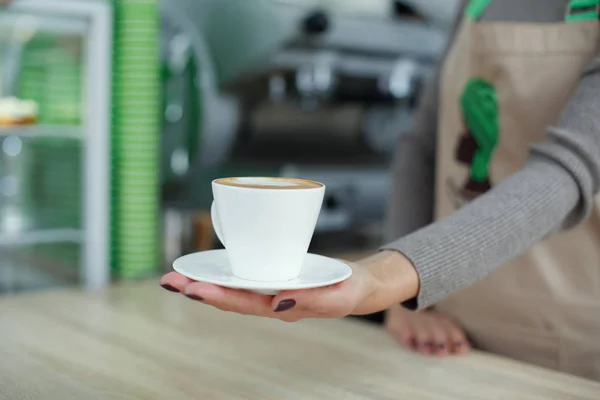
[[170, 288], [285, 305], [194, 297], [412, 343], [441, 346], [429, 345]]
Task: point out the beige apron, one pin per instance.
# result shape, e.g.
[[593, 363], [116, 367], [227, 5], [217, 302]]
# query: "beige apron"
[[544, 307]]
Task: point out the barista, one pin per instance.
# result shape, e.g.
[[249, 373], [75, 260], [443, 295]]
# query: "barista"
[[505, 158]]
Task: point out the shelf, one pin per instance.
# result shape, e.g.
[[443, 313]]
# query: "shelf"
[[48, 24], [41, 237], [43, 131]]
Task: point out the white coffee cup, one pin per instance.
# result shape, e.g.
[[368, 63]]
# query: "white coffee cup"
[[266, 224]]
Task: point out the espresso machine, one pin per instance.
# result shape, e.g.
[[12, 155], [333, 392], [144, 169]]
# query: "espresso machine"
[[316, 89]]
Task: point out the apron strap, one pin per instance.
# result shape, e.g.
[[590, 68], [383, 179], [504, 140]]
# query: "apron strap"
[[582, 10], [476, 8], [577, 10]]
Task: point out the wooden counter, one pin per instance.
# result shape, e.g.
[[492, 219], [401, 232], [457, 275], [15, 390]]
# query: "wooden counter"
[[141, 342]]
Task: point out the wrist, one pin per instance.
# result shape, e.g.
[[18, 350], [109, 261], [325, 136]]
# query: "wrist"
[[394, 280]]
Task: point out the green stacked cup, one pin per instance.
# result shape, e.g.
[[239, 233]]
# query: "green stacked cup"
[[136, 139]]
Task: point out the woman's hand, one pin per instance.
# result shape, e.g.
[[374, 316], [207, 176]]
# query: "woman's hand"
[[427, 332], [376, 283]]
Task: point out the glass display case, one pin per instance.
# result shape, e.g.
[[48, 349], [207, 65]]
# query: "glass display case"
[[55, 66]]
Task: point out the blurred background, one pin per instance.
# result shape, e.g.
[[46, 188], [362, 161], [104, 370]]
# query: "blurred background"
[[116, 115]]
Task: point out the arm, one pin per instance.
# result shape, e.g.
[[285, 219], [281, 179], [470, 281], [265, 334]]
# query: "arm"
[[553, 192]]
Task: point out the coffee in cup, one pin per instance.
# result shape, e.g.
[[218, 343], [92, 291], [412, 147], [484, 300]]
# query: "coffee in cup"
[[270, 183], [266, 224]]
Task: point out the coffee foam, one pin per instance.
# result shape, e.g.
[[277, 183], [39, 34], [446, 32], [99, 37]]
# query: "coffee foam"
[[269, 183]]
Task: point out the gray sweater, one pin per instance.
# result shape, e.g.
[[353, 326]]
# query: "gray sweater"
[[553, 192]]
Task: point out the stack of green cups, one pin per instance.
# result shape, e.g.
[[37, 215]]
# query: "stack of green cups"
[[136, 139]]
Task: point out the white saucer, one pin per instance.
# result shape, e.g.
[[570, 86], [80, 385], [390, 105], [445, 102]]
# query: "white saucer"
[[213, 267]]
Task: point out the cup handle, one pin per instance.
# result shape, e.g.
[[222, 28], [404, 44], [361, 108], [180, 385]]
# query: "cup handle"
[[216, 223]]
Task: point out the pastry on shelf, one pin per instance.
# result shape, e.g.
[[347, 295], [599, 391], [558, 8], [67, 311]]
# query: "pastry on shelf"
[[15, 112]]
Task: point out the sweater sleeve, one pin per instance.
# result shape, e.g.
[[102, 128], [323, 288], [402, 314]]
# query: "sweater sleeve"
[[554, 191]]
